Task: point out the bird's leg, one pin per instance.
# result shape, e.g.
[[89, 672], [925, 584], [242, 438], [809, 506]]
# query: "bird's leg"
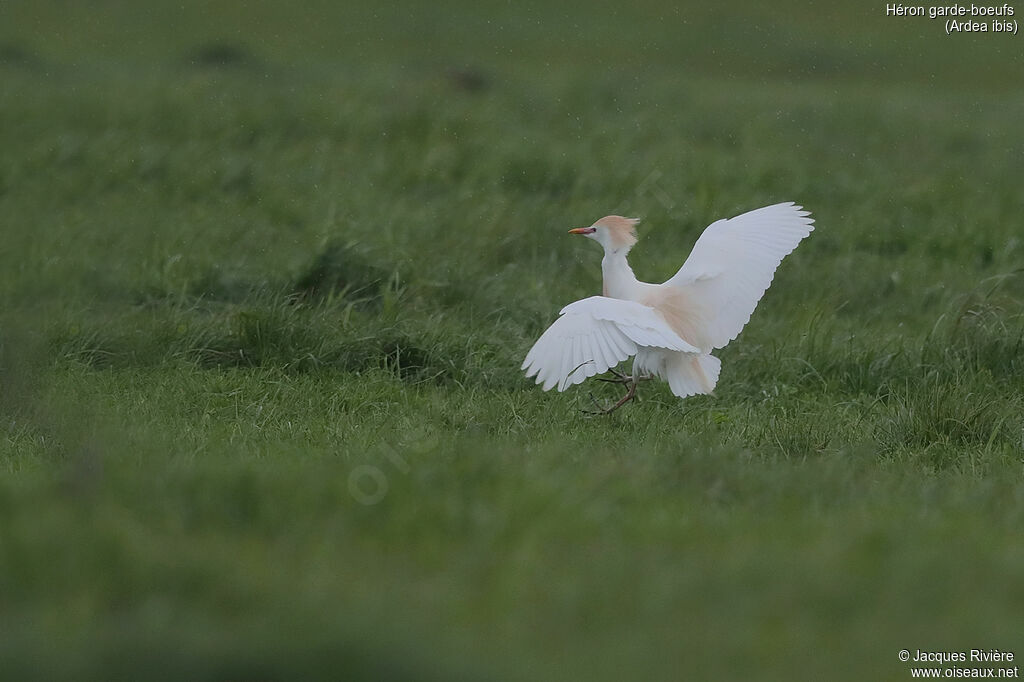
[[630, 394], [619, 377], [625, 379], [597, 406]]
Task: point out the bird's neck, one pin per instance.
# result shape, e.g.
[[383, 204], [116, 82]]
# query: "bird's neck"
[[619, 280]]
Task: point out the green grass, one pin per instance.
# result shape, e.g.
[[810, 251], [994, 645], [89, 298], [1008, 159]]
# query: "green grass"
[[267, 275]]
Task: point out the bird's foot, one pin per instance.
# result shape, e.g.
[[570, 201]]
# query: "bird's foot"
[[599, 410]]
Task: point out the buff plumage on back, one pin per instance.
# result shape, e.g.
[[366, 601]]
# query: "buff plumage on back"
[[622, 230]]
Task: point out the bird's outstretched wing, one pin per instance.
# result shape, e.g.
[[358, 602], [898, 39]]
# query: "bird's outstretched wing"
[[731, 266], [593, 335]]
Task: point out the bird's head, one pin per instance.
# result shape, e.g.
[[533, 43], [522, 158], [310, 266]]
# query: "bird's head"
[[615, 233]]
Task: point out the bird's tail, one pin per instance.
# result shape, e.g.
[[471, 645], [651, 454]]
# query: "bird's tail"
[[691, 374]]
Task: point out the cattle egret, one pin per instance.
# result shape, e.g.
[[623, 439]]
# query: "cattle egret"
[[671, 328]]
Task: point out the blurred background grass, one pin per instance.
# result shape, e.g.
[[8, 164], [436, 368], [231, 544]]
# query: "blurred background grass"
[[251, 249]]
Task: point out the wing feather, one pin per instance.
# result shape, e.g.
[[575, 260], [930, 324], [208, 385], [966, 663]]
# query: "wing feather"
[[605, 356], [587, 351], [620, 343], [732, 265], [594, 334]]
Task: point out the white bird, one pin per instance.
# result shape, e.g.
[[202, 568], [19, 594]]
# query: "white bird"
[[670, 328]]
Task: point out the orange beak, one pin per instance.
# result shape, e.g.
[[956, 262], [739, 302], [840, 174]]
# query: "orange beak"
[[583, 230]]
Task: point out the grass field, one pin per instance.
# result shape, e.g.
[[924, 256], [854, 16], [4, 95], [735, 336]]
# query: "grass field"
[[268, 273]]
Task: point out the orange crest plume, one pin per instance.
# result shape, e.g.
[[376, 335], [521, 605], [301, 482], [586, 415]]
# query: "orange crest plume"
[[622, 230]]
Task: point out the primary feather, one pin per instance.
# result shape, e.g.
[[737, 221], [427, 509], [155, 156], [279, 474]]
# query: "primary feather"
[[672, 327]]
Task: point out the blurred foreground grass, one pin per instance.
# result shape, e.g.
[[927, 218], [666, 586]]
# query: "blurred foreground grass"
[[268, 275]]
